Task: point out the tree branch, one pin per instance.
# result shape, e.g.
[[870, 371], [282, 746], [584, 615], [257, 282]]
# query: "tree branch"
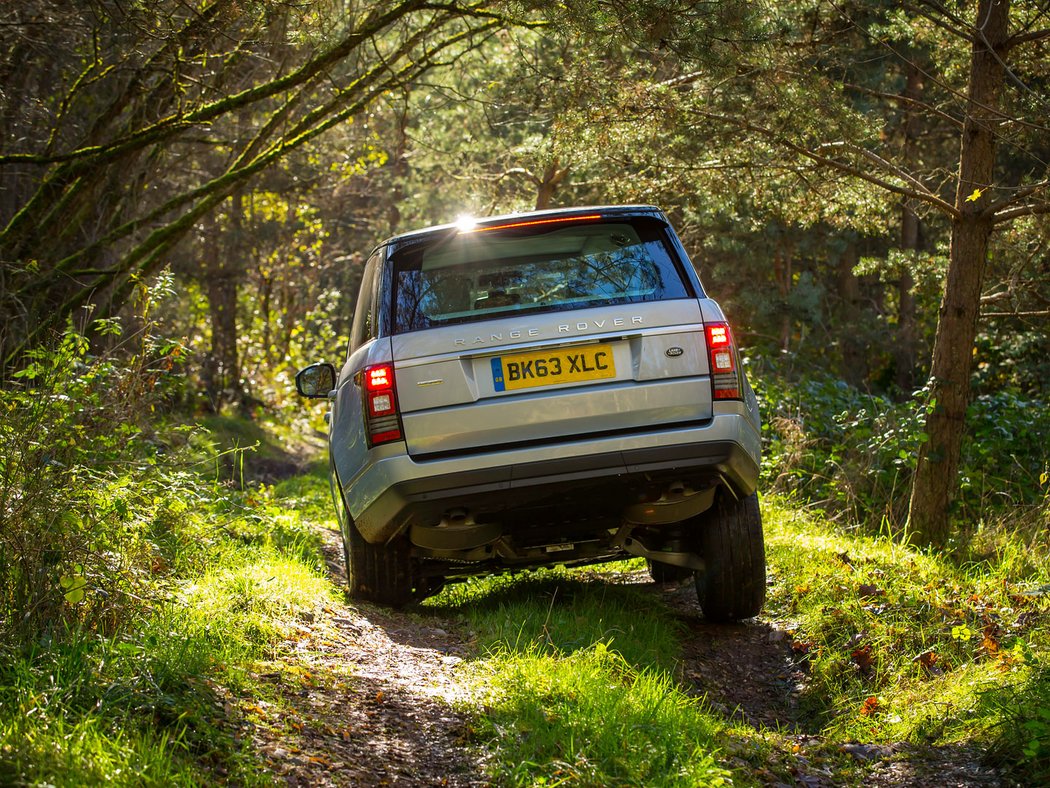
[[1027, 38], [1032, 209], [922, 194]]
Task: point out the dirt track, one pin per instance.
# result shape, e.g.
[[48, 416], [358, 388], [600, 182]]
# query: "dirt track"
[[367, 697]]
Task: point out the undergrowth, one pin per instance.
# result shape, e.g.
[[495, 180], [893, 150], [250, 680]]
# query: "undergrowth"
[[853, 453], [137, 587]]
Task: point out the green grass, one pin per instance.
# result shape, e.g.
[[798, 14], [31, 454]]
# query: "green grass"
[[143, 708], [575, 682], [576, 673], [137, 700], [589, 718], [575, 676], [564, 612], [902, 645]]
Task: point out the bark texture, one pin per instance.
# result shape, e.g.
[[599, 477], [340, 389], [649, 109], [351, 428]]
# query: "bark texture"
[[938, 463]]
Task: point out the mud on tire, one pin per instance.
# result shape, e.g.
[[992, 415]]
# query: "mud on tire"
[[733, 585]]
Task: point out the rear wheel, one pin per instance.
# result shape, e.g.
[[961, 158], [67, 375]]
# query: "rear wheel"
[[379, 573], [733, 584]]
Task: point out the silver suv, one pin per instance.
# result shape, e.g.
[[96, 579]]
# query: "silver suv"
[[542, 388]]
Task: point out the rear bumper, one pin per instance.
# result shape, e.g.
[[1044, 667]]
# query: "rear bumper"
[[385, 496]]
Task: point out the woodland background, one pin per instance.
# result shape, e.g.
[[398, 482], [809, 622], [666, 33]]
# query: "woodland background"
[[838, 171], [188, 191]]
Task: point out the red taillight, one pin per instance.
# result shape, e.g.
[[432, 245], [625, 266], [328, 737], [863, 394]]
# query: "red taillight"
[[718, 335], [725, 377], [380, 393], [379, 377]]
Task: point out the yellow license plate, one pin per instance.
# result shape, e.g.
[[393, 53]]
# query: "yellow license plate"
[[551, 367]]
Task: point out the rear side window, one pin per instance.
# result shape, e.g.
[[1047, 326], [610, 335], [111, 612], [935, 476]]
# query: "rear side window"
[[364, 326], [463, 277]]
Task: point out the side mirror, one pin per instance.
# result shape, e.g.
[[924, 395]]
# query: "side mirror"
[[315, 381]]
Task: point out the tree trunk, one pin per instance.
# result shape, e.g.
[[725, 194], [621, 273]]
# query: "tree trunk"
[[782, 275], [222, 280], [905, 349], [934, 486], [546, 185], [851, 313]]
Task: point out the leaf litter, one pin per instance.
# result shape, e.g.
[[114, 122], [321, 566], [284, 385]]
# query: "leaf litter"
[[361, 696]]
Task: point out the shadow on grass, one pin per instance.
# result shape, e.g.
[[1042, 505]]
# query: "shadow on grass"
[[562, 612]]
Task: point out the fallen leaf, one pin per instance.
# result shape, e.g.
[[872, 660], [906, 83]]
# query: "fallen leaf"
[[927, 659], [801, 646], [990, 642], [928, 662], [862, 658]]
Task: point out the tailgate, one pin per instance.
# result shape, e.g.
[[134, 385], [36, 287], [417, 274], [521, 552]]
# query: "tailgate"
[[488, 384]]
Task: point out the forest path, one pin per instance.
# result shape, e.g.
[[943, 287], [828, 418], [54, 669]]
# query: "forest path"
[[365, 696]]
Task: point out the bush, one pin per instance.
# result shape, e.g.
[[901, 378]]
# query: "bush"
[[81, 492], [854, 453]]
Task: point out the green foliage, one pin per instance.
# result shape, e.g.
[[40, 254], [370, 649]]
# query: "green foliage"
[[854, 452], [81, 488]]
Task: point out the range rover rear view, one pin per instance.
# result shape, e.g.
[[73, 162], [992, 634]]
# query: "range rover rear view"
[[543, 388]]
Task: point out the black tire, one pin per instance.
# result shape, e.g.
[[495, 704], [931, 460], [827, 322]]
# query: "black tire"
[[667, 573], [733, 584], [376, 573]]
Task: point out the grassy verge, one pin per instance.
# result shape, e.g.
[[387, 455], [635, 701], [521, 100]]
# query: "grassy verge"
[[137, 694], [907, 646], [576, 673]]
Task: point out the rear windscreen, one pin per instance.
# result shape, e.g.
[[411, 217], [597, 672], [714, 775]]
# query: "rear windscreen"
[[462, 277]]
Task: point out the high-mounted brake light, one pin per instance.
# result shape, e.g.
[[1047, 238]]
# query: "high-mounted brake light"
[[725, 376], [532, 223], [380, 395]]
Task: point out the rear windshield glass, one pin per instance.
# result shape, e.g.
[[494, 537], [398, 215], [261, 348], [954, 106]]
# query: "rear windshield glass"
[[463, 277]]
